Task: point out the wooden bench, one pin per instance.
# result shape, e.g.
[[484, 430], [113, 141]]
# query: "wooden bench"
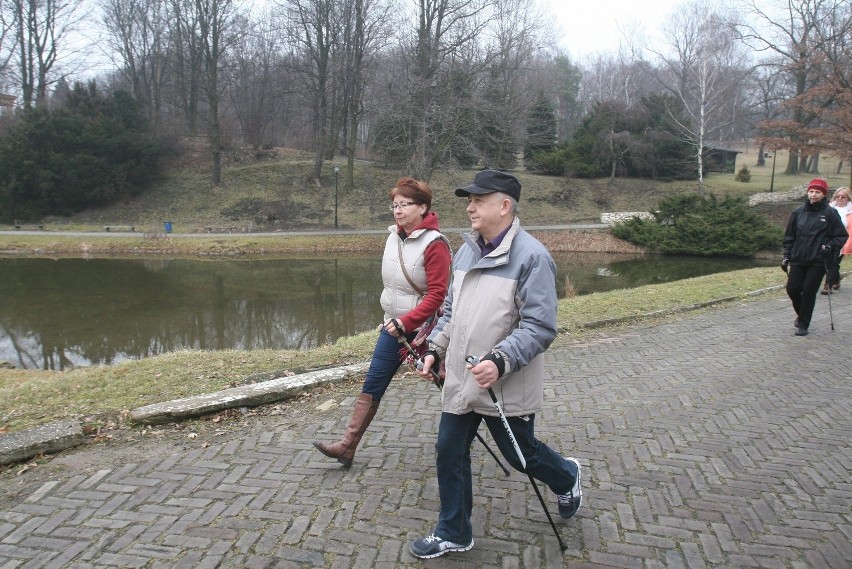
[[221, 229], [29, 225], [119, 228]]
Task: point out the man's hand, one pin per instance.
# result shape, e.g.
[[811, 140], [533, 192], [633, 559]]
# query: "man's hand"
[[785, 263], [827, 249], [484, 371]]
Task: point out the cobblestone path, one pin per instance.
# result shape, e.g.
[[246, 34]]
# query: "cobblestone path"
[[711, 439]]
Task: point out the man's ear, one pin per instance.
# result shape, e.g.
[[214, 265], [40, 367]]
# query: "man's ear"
[[505, 206]]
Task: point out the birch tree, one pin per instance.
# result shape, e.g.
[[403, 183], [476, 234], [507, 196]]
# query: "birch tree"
[[702, 68]]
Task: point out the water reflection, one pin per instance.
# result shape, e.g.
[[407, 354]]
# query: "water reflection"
[[75, 312], [67, 312]]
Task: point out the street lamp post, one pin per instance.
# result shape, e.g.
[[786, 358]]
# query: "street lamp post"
[[336, 172], [772, 179]]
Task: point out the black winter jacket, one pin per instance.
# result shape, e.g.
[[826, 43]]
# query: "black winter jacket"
[[810, 227]]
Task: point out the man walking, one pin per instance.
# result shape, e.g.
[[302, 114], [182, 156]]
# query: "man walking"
[[501, 308]]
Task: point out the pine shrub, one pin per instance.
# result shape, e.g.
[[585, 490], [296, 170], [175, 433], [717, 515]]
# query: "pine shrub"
[[744, 175], [688, 224]]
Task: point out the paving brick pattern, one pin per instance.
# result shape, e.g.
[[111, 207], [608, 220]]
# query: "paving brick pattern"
[[712, 439]]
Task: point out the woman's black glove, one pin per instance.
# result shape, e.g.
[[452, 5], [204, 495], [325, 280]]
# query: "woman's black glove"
[[785, 262]]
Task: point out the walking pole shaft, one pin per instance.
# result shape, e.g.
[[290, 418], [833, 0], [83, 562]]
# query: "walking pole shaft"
[[512, 438], [830, 313]]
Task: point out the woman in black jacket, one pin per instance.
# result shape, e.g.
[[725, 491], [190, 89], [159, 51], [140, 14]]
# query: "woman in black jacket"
[[814, 232]]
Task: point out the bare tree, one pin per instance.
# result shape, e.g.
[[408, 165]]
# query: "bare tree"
[[790, 29], [7, 32], [186, 66], [765, 92], [830, 100], [40, 30], [215, 22], [250, 74], [519, 32], [439, 68], [704, 68], [137, 31], [367, 31], [313, 31]]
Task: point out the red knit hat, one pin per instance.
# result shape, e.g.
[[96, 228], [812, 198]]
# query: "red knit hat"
[[818, 184]]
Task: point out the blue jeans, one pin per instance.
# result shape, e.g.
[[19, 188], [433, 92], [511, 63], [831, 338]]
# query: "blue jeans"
[[388, 355], [455, 483]]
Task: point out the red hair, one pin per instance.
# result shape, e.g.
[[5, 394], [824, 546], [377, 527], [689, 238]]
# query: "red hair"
[[416, 190]]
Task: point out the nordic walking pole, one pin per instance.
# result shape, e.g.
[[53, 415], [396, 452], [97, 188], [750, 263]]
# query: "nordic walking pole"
[[472, 360], [440, 385], [830, 313]]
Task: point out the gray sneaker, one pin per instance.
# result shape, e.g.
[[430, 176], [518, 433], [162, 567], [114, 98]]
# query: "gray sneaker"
[[434, 546], [569, 503]]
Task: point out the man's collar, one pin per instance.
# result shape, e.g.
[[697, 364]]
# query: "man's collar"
[[490, 246]]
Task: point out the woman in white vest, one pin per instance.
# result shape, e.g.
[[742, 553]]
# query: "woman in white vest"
[[842, 202], [415, 273]]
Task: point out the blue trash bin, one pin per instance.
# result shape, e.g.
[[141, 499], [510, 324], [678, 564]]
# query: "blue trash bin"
[[168, 226]]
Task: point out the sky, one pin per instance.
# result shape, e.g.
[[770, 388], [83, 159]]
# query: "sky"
[[592, 26]]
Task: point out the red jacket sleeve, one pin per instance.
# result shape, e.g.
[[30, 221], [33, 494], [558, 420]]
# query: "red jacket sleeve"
[[437, 264]]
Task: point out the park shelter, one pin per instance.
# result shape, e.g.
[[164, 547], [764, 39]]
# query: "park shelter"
[[719, 159]]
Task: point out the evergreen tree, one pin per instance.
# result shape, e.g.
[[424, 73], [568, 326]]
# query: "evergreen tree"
[[93, 151], [541, 130], [496, 140], [570, 109], [615, 139]]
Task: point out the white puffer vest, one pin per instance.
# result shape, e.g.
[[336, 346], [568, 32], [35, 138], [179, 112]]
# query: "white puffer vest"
[[398, 296]]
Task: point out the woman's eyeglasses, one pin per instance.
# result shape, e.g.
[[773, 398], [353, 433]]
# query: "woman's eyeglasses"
[[396, 206]]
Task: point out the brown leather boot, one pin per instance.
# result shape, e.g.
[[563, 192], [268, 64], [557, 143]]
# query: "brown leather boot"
[[344, 449]]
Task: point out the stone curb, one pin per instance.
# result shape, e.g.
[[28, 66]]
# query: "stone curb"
[[53, 437], [21, 445], [243, 396]]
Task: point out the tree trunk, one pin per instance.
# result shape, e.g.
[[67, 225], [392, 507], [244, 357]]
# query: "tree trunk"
[[792, 162]]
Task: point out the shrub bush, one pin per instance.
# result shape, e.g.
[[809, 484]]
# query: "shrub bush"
[[94, 151], [744, 175], [687, 224]]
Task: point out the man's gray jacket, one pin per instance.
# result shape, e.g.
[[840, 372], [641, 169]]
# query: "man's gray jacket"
[[505, 301]]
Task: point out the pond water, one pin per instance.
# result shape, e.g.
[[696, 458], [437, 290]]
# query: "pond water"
[[57, 313]]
